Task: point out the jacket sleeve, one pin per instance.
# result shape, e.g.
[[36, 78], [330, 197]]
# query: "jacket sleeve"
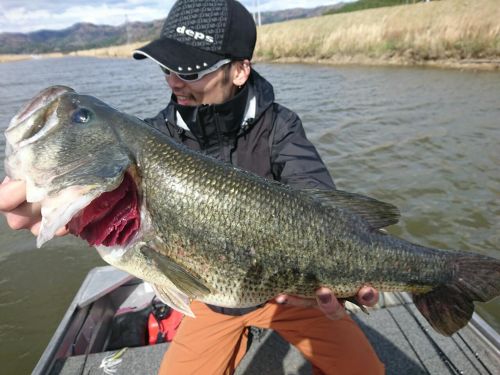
[[294, 159]]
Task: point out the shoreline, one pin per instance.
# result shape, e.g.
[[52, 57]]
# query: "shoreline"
[[486, 64], [465, 64]]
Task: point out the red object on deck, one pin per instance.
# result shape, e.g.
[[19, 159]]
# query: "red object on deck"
[[163, 328]]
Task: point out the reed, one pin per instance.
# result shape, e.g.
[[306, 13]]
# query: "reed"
[[125, 50], [449, 33], [457, 30], [14, 57], [113, 51]]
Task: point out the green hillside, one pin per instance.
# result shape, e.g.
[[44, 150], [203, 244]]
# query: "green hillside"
[[367, 4]]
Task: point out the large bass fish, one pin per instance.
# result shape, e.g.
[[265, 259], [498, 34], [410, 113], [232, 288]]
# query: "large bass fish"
[[196, 228]]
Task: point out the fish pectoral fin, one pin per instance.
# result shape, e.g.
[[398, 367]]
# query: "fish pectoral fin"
[[183, 280], [376, 213], [173, 298]]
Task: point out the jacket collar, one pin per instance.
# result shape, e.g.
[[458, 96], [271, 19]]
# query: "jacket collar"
[[218, 124]]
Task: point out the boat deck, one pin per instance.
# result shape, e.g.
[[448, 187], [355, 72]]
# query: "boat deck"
[[402, 338]]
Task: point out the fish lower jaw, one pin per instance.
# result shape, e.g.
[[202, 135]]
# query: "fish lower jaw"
[[58, 211]]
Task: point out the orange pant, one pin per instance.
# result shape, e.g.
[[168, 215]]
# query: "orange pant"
[[213, 343]]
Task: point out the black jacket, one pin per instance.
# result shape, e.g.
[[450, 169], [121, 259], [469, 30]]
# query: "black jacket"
[[265, 138], [252, 132]]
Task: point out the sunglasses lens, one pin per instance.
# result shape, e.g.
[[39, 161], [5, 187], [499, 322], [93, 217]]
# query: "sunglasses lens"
[[195, 76], [184, 77], [188, 77]]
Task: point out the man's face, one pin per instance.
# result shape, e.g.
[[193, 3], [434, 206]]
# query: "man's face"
[[214, 88]]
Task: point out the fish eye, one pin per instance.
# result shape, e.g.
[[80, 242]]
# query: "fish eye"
[[81, 116]]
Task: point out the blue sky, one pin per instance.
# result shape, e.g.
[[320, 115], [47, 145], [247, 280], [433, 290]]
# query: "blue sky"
[[31, 15]]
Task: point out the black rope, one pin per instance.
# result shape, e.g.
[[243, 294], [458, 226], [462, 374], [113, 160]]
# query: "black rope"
[[465, 354], [475, 353], [408, 340], [73, 344], [444, 357], [95, 331]]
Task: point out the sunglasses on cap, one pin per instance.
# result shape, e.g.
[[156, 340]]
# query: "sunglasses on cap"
[[193, 77]]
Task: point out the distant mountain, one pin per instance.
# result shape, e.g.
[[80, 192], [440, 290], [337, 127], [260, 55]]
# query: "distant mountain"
[[87, 35], [77, 37], [295, 13]]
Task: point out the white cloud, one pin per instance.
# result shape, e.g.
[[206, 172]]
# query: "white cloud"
[[30, 15], [22, 20]]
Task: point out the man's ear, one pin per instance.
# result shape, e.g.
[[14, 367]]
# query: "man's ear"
[[241, 72]]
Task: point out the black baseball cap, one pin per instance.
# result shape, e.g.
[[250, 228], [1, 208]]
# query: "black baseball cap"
[[198, 34]]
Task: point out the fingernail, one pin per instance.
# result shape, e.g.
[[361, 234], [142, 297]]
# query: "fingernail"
[[281, 300], [368, 296], [325, 298]]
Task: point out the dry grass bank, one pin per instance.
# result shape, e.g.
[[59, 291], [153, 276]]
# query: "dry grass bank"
[[446, 33], [10, 58], [115, 51]]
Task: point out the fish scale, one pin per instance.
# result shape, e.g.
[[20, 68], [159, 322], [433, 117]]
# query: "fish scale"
[[218, 234], [249, 219]]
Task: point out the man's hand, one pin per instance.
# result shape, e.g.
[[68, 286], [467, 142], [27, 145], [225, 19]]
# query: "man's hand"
[[328, 303], [19, 213]]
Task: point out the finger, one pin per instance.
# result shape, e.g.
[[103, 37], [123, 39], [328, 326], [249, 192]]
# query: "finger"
[[24, 216], [35, 228], [12, 194], [329, 304], [286, 299], [281, 299], [367, 296], [62, 231]]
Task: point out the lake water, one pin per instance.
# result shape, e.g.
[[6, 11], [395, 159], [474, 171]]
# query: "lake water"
[[425, 140]]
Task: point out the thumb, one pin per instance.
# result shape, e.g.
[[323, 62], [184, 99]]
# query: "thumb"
[[329, 304]]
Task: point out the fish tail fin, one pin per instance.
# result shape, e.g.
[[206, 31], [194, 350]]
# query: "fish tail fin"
[[449, 307]]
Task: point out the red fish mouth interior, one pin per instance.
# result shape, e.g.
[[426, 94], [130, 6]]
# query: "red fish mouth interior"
[[111, 219]]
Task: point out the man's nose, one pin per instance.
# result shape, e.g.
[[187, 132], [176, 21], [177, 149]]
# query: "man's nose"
[[174, 81]]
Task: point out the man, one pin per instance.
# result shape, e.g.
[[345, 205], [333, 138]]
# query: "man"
[[224, 108]]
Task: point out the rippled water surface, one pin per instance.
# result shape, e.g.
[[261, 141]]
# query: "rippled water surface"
[[425, 140]]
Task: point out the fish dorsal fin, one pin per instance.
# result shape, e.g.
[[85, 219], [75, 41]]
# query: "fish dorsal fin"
[[376, 213], [181, 278]]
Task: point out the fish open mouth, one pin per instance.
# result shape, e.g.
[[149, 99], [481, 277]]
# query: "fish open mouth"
[[112, 219]]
